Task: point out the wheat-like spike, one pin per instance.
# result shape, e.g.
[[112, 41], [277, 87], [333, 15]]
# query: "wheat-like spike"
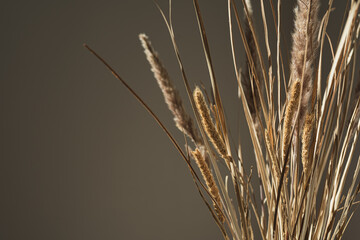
[[274, 164], [305, 33], [290, 114], [210, 182], [172, 97], [208, 124], [306, 141]]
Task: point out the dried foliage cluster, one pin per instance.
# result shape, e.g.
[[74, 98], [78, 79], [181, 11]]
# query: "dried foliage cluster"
[[303, 147]]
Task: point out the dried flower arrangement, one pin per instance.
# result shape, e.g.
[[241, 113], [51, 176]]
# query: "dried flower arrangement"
[[303, 147]]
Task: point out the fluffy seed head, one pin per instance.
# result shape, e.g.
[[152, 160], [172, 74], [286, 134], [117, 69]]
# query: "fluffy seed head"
[[210, 182], [290, 113], [172, 97], [208, 124]]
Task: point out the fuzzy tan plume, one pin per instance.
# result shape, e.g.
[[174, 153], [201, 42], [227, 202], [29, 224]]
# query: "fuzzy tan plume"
[[172, 97], [248, 77], [306, 141], [305, 32], [208, 124], [289, 119], [210, 182]]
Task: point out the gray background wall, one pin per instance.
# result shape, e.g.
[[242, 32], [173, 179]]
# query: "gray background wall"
[[80, 159]]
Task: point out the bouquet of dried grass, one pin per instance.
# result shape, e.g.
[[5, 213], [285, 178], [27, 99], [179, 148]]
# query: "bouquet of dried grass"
[[303, 147]]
